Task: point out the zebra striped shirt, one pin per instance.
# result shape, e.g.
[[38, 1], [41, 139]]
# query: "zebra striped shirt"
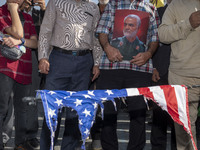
[[70, 25]]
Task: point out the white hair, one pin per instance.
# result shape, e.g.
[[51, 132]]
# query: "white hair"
[[135, 17]]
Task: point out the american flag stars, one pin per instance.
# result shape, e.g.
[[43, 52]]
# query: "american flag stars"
[[51, 92], [86, 96], [86, 112], [87, 131], [51, 112], [59, 102], [109, 92], [78, 102], [91, 93], [95, 105], [86, 103], [80, 121]]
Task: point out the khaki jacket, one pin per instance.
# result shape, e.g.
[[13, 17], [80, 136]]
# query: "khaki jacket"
[[185, 41]]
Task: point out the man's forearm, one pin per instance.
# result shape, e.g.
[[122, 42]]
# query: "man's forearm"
[[31, 43], [103, 38], [16, 29], [152, 47]]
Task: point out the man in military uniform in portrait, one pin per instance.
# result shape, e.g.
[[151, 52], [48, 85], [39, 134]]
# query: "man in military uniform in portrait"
[[129, 45]]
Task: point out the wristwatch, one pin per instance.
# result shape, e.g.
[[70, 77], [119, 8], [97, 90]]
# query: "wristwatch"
[[23, 41]]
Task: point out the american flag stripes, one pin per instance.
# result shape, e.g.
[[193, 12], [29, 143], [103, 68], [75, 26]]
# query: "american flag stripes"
[[171, 98]]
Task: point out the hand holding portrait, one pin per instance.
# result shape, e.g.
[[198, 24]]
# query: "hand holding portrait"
[[141, 58], [113, 54]]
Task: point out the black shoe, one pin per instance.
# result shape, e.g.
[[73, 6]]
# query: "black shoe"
[[34, 143]]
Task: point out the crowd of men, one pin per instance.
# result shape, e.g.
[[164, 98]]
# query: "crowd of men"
[[68, 41]]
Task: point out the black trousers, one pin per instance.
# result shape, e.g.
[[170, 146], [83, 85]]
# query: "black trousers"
[[161, 121], [119, 79]]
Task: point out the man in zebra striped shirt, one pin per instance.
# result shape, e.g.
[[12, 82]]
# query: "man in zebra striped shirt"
[[68, 27]]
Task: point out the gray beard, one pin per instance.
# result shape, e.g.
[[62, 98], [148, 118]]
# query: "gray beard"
[[133, 34]]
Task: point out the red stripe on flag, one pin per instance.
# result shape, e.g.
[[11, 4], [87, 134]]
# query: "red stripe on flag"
[[171, 101], [146, 92]]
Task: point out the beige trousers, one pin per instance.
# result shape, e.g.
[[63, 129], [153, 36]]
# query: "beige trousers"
[[183, 139]]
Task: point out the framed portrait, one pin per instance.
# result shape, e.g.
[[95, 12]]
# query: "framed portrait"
[[130, 32]]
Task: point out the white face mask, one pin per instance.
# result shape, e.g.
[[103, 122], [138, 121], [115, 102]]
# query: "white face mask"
[[104, 2]]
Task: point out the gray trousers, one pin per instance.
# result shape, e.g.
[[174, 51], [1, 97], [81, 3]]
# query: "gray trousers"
[[183, 139], [32, 112], [8, 121]]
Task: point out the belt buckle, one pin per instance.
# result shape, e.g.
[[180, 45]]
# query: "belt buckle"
[[74, 53]]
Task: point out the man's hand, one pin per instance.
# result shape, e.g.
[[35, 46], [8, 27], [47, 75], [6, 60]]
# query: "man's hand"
[[141, 58], [113, 54], [40, 3], [95, 72], [155, 76], [26, 5], [11, 42], [44, 66], [13, 6], [195, 19]]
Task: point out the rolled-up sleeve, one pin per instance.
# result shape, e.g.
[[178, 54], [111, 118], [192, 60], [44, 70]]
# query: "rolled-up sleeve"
[[105, 23], [153, 27], [46, 30]]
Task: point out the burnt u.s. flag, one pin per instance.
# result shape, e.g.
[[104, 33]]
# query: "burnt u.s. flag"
[[171, 98]]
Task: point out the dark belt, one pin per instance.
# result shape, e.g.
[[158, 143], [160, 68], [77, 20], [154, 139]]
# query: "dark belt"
[[73, 52]]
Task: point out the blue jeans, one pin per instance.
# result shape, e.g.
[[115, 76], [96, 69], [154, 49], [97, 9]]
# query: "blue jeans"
[[7, 86], [72, 73]]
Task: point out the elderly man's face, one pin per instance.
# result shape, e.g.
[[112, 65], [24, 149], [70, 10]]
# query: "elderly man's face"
[[130, 27]]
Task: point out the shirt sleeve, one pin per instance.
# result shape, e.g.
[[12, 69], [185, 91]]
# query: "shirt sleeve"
[[97, 50], [105, 23], [153, 27], [5, 22], [171, 29], [46, 30]]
